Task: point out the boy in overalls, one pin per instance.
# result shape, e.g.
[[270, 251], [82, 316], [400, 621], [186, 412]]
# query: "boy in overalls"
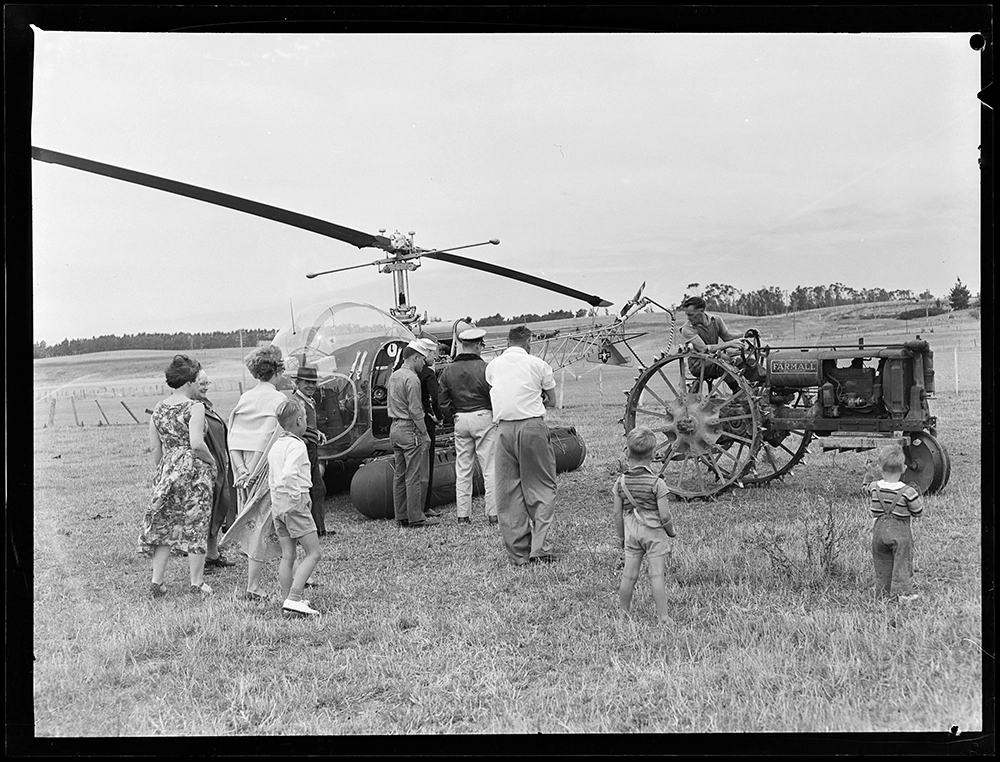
[[893, 503]]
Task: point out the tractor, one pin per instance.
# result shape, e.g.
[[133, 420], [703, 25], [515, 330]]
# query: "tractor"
[[746, 419]]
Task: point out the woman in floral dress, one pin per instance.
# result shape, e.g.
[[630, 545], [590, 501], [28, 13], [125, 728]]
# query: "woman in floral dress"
[[180, 509], [253, 427]]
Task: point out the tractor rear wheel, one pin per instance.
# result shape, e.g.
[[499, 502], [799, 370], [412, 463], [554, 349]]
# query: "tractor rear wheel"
[[706, 420]]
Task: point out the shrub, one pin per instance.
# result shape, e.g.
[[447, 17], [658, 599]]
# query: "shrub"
[[919, 313]]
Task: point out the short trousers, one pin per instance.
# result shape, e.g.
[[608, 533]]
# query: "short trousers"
[[641, 539], [292, 517]]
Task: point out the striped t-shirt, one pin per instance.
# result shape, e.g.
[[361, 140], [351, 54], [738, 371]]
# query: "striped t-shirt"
[[900, 499], [647, 488]]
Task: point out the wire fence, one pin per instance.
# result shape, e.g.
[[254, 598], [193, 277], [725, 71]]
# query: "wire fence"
[[125, 392]]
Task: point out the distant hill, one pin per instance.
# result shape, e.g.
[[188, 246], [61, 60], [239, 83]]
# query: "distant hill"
[[843, 325]]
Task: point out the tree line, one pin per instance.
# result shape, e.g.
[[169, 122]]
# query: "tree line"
[[179, 342], [530, 317], [771, 300]]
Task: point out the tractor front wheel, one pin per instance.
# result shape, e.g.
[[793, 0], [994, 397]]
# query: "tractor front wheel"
[[928, 464]]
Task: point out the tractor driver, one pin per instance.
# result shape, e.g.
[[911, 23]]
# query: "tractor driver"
[[704, 332]]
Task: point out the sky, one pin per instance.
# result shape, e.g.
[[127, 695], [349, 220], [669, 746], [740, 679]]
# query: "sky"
[[600, 161]]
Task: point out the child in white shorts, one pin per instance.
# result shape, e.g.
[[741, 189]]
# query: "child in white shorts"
[[290, 479]]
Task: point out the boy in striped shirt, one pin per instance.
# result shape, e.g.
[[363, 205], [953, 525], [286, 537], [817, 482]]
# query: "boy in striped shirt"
[[642, 517], [892, 505]]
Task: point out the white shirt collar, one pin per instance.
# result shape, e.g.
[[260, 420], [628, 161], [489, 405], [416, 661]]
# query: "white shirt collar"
[[890, 485]]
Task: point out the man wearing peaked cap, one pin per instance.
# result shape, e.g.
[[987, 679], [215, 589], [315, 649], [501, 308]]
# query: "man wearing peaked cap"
[[465, 397], [472, 335]]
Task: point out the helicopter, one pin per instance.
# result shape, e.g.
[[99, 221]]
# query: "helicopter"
[[354, 345]]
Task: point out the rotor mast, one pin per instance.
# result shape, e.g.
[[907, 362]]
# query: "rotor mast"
[[400, 266]]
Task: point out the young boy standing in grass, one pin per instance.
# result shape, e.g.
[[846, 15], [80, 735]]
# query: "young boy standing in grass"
[[643, 520], [290, 479], [892, 505]]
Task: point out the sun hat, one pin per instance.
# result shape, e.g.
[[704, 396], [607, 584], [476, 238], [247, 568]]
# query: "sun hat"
[[306, 373], [417, 345], [428, 344]]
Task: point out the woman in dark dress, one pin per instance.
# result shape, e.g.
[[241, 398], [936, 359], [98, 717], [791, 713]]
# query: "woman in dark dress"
[[180, 508]]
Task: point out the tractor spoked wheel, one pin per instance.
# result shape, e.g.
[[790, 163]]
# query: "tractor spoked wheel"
[[705, 418], [928, 464], [780, 450]]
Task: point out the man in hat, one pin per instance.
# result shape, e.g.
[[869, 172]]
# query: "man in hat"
[[408, 435], [465, 398], [306, 379], [429, 390], [521, 387]]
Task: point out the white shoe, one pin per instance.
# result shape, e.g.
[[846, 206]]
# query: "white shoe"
[[299, 607]]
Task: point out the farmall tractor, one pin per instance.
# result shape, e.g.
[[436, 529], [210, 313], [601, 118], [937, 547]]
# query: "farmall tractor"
[[725, 421]]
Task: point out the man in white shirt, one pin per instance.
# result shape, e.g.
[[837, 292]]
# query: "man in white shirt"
[[521, 387]]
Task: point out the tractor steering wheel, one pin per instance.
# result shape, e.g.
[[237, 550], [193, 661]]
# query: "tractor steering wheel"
[[751, 354]]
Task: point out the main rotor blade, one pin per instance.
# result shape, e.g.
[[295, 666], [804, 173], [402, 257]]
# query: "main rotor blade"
[[312, 224], [593, 301]]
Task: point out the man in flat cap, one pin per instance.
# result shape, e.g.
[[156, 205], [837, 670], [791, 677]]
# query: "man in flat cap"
[[408, 435], [521, 388], [306, 378], [465, 398]]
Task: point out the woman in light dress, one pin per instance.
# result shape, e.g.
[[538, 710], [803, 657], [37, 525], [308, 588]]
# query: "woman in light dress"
[[253, 427]]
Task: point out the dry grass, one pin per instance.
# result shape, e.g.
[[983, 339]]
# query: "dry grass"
[[775, 625]]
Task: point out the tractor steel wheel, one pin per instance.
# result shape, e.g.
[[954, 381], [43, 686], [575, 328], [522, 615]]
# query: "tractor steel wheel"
[[780, 450], [775, 461], [705, 418], [928, 465]]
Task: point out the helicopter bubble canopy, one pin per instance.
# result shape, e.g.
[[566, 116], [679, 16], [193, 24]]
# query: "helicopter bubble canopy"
[[329, 335]]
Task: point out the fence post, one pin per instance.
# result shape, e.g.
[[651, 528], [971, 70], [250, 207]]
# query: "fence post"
[[52, 412], [98, 403], [562, 386], [956, 371], [129, 411], [75, 416]]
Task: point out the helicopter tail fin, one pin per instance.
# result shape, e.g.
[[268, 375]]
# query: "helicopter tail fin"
[[607, 354]]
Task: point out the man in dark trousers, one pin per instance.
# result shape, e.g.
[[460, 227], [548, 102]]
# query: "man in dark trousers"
[[430, 390], [223, 491], [408, 435], [521, 388], [306, 378]]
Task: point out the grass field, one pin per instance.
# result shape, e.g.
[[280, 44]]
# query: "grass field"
[[775, 627]]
